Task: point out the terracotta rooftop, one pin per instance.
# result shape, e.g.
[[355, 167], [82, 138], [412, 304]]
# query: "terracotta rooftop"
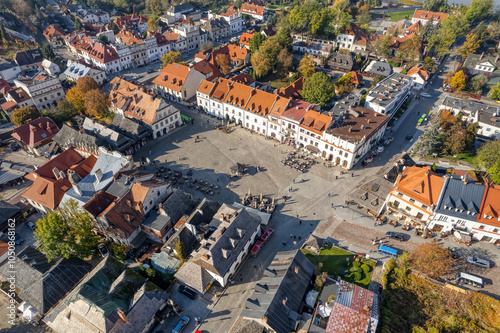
[[245, 38], [205, 87], [53, 31], [420, 71], [36, 132], [293, 91], [249, 8], [316, 122], [243, 78], [490, 210], [421, 184], [426, 15], [172, 76]]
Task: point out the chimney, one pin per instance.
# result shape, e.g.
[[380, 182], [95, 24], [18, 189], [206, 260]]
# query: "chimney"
[[56, 172], [122, 315], [350, 129], [77, 189], [98, 175], [284, 301], [161, 211], [296, 269], [62, 175], [206, 256], [481, 57]]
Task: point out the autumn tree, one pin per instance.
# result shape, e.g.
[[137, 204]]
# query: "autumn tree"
[[488, 157], [256, 41], [478, 10], [270, 49], [434, 5], [409, 50], [458, 81], [75, 97], [495, 92], [224, 63], [86, 84], [494, 30], [21, 115], [96, 103], [261, 64], [284, 38], [318, 89], [153, 23], [155, 7], [284, 63], [4, 39], [307, 66], [382, 46], [470, 45], [452, 27], [66, 232], [78, 24], [432, 259], [179, 251], [170, 58]]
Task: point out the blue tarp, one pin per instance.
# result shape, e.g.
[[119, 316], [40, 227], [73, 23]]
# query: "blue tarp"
[[388, 251]]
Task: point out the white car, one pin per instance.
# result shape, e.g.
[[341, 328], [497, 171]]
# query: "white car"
[[478, 261], [426, 95]]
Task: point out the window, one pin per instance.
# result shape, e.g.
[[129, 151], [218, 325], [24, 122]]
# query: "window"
[[481, 226], [396, 203], [412, 200], [424, 207], [400, 194], [495, 230], [408, 208], [420, 215]]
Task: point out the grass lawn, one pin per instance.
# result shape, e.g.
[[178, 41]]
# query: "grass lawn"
[[276, 82], [334, 263], [398, 16], [277, 7]]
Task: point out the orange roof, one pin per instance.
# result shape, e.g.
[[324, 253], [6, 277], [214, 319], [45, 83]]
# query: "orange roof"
[[250, 8], [316, 122], [230, 11], [245, 38], [425, 15], [4, 247], [237, 53], [356, 78], [260, 102], [415, 27], [238, 94], [173, 76], [490, 207], [220, 89], [52, 32], [205, 87], [421, 184], [172, 36], [243, 78], [293, 90], [420, 71]]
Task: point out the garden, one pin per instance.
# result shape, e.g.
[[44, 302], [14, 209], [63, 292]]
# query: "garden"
[[349, 266]]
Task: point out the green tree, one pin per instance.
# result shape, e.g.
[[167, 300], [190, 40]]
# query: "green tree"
[[270, 48], [494, 30], [428, 29], [454, 26], [434, 5], [3, 35], [284, 63], [478, 10], [256, 41], [155, 7], [180, 251], [383, 45], [458, 81], [429, 62], [409, 50], [47, 52], [284, 38], [307, 66], [66, 232], [170, 58], [113, 27], [103, 39], [495, 92], [363, 19], [153, 23], [62, 112], [78, 24], [470, 45], [318, 89], [488, 157], [478, 82], [21, 115], [261, 64]]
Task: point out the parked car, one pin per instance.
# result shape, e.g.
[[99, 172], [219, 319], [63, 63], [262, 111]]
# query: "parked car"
[[409, 137], [181, 325], [18, 240], [479, 262], [186, 291], [150, 70], [426, 95], [103, 250], [31, 225], [395, 235]]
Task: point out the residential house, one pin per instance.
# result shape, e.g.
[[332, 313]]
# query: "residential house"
[[232, 16], [111, 298], [50, 181], [483, 64], [42, 283], [219, 258], [216, 28], [28, 60], [255, 11], [15, 97], [43, 90], [355, 40], [115, 141], [134, 102], [193, 36], [99, 178], [156, 45], [415, 193], [488, 124], [420, 76], [137, 47], [238, 55], [376, 68], [487, 227], [423, 16], [8, 69], [356, 79], [268, 31], [389, 94], [76, 70], [245, 39], [312, 48], [133, 23], [36, 135], [340, 62], [291, 119], [210, 71], [311, 131], [177, 42], [177, 11], [293, 90], [178, 82], [54, 35], [278, 298], [130, 128], [84, 144], [459, 205], [50, 68], [94, 16]]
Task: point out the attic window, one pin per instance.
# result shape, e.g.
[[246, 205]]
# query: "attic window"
[[447, 207], [44, 135], [488, 217]]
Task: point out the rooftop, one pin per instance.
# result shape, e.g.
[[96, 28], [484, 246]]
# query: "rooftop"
[[387, 90], [468, 106], [36, 132], [461, 198]]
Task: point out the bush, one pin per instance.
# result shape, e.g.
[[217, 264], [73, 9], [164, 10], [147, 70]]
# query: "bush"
[[366, 268], [118, 251], [356, 264], [356, 276]]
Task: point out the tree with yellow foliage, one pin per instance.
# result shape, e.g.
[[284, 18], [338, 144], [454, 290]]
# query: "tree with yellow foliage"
[[470, 45], [307, 67], [458, 81]]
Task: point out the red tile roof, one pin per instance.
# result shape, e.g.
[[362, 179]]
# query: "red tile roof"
[[249, 8], [421, 184], [297, 110], [356, 78], [122, 216], [205, 87], [426, 15], [294, 90], [243, 78], [245, 38], [420, 71], [53, 31], [237, 53], [172, 76], [316, 122], [490, 207], [36, 132]]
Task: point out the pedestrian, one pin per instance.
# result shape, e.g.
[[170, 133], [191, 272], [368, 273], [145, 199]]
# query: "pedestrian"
[[178, 158], [290, 189], [284, 198], [217, 180], [294, 181], [300, 222], [150, 152], [328, 194], [229, 148], [343, 206], [352, 174], [297, 215], [291, 235], [300, 237], [336, 177], [284, 243], [332, 205]]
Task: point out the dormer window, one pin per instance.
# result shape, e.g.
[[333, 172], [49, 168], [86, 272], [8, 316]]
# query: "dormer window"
[[488, 217], [447, 207]]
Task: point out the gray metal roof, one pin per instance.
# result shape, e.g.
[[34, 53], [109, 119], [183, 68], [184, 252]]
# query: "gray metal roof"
[[129, 127], [286, 280], [116, 140], [462, 199], [389, 89], [156, 221], [68, 137], [178, 204], [468, 106], [379, 68]]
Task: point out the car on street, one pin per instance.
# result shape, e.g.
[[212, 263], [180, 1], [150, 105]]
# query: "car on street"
[[186, 291], [426, 95], [395, 235], [18, 240], [409, 137], [150, 70], [479, 262], [181, 325], [103, 250], [31, 225]]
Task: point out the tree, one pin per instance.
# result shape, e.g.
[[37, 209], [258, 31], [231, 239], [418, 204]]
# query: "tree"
[[270, 48], [21, 115], [284, 38], [454, 26], [261, 64], [430, 141], [409, 50], [318, 89], [383, 45], [256, 41], [478, 82], [96, 103], [207, 46], [307, 66], [62, 112], [495, 92], [47, 52], [113, 27], [153, 23], [434, 5], [75, 97], [432, 259], [224, 63], [78, 24], [488, 157], [470, 45], [3, 35], [458, 81], [429, 62], [171, 57], [66, 232], [428, 29], [103, 39], [284, 63], [478, 10], [155, 7], [494, 30], [86, 84], [179, 251], [364, 19]]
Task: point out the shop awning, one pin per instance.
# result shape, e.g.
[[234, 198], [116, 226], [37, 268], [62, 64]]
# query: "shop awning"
[[312, 148]]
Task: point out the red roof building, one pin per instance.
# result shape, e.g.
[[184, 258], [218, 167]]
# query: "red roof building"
[[35, 135]]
